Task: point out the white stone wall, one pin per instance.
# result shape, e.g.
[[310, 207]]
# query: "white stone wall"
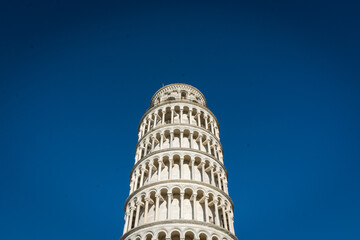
[[178, 185]]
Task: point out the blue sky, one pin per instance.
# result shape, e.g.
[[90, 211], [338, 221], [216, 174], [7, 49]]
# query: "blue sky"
[[282, 79]]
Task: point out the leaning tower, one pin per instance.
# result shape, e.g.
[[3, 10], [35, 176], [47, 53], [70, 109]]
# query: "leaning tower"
[[178, 185]]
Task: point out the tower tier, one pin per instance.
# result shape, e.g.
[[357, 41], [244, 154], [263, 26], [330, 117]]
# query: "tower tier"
[[179, 184]]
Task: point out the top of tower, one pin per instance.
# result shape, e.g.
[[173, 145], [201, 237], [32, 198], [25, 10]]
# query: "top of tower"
[[178, 91]]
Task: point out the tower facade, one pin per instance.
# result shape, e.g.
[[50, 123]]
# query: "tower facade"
[[178, 185]]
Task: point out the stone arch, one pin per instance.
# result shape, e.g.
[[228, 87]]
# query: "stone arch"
[[214, 237], [176, 114], [197, 169], [161, 235], [175, 234], [207, 172], [186, 167], [186, 138], [176, 166], [166, 143], [166, 158], [200, 204], [203, 236], [163, 207], [175, 202], [188, 203], [186, 112], [189, 235], [176, 138], [149, 236]]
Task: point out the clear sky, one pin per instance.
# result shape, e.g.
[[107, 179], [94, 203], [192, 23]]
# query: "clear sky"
[[282, 79]]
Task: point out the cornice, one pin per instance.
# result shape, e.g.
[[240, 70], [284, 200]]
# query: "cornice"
[[180, 124], [179, 101], [177, 124], [179, 221], [176, 149], [178, 181]]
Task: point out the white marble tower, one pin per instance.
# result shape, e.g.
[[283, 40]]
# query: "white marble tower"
[[178, 185]]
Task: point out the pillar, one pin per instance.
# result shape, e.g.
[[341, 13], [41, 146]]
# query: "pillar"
[[132, 208], [169, 206], [136, 179], [215, 152], [138, 205], [193, 169], [181, 137], [161, 139], [195, 206], [182, 205], [191, 139], [203, 171], [181, 113], [181, 167], [148, 125], [217, 221], [159, 170], [208, 146], [155, 119], [171, 138], [224, 216], [150, 171], [225, 185], [126, 221], [142, 176], [146, 210], [206, 122], [219, 179], [212, 176], [170, 168], [206, 209], [172, 115], [152, 144], [145, 144], [157, 206], [190, 116], [231, 222], [132, 184], [162, 116]]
